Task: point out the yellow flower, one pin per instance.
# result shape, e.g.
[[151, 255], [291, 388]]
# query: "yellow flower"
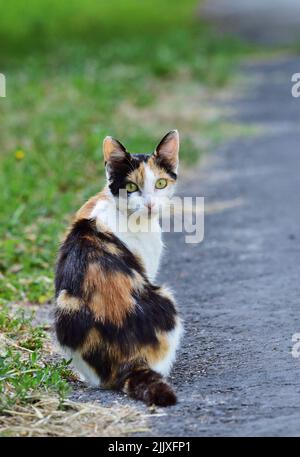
[[42, 299], [19, 155]]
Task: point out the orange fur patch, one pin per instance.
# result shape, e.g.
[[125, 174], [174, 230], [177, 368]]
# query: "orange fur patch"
[[92, 341], [153, 354], [111, 248], [138, 281], [138, 175], [67, 302], [85, 211], [112, 297], [158, 171]]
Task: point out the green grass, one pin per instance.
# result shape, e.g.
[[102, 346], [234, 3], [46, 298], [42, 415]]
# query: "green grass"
[[34, 24], [71, 80], [24, 373]]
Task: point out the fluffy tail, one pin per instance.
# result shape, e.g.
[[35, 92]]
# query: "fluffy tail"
[[142, 383]]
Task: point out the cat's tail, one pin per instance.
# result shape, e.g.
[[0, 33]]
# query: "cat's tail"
[[142, 383]]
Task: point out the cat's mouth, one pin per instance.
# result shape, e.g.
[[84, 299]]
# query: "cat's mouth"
[[150, 209], [146, 211]]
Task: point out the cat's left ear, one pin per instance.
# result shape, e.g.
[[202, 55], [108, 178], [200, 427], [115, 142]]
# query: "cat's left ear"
[[168, 150]]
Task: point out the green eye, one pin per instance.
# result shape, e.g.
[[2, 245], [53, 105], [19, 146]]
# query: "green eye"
[[131, 187], [161, 183]]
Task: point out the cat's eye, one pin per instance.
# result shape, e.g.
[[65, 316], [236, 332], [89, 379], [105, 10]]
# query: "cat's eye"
[[161, 183], [131, 187]]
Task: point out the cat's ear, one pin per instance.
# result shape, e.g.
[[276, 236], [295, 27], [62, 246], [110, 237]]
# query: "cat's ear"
[[168, 149], [113, 150]]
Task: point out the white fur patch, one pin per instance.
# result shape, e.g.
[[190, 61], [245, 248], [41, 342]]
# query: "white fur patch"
[[164, 366], [147, 245], [85, 371]]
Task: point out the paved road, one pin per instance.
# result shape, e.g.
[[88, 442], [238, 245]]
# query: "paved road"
[[239, 290], [268, 21]]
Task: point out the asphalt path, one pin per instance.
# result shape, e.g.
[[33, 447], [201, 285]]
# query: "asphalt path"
[[239, 290]]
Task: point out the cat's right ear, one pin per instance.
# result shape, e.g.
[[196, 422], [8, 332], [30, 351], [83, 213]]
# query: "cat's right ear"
[[113, 150]]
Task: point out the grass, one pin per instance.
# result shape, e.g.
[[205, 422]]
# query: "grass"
[[22, 21], [33, 389], [24, 370], [126, 68], [58, 108]]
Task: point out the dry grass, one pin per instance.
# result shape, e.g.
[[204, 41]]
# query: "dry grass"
[[45, 418]]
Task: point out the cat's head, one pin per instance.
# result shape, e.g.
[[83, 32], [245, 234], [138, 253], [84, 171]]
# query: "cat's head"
[[147, 179]]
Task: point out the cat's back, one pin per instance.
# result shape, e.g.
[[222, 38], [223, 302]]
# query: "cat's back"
[[100, 282], [91, 252]]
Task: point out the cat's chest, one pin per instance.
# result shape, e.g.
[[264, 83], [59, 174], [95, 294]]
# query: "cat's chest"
[[148, 246]]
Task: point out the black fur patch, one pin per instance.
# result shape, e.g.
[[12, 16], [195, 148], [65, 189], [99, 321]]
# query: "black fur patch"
[[72, 328], [165, 164], [101, 361], [147, 385], [119, 170], [79, 250]]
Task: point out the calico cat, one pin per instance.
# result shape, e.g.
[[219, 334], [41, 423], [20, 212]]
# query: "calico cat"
[[120, 328]]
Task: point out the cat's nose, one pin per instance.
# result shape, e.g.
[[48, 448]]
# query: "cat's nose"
[[149, 206]]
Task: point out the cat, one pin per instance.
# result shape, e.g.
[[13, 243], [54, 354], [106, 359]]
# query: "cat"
[[120, 328]]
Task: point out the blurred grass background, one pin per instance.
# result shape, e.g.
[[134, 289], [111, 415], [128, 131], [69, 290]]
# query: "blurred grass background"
[[51, 21], [77, 71]]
